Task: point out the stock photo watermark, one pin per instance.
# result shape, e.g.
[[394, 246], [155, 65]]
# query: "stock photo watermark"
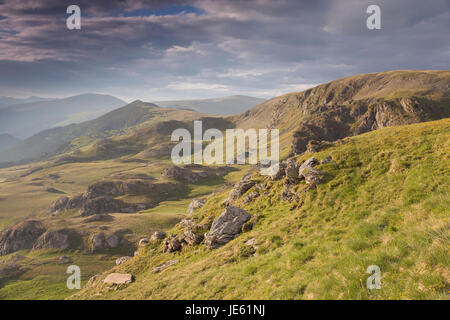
[[237, 151], [374, 281], [74, 280]]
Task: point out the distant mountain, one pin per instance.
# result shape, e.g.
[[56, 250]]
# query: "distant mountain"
[[7, 101], [24, 120], [7, 141], [220, 106], [53, 141]]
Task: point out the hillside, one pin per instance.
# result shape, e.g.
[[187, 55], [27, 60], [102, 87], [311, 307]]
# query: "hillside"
[[219, 106], [383, 202], [7, 141], [353, 105], [51, 142], [308, 231], [26, 119]]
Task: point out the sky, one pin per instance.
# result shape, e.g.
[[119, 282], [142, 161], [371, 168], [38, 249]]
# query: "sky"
[[187, 49]]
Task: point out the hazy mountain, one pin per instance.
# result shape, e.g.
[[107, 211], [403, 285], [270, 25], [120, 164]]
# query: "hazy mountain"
[[8, 101], [24, 120], [219, 106], [7, 141]]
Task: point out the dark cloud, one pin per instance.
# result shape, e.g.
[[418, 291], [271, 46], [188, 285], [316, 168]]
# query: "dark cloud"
[[180, 49]]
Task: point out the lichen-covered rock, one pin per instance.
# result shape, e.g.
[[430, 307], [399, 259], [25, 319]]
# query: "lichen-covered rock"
[[194, 205], [278, 172], [226, 227], [20, 236], [144, 242]]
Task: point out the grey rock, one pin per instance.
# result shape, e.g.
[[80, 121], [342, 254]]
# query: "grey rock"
[[158, 235], [122, 260], [164, 266], [194, 205], [310, 163], [226, 227], [118, 278]]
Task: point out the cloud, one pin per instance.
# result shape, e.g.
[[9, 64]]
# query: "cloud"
[[156, 50]]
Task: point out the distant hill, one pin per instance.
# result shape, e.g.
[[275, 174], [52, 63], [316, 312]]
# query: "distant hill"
[[7, 141], [24, 120], [8, 101], [219, 106], [50, 142]]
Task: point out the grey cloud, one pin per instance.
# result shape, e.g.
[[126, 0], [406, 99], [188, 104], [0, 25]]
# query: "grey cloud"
[[253, 46]]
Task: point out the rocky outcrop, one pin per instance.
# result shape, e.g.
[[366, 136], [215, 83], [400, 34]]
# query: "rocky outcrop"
[[20, 236], [99, 198], [226, 227], [101, 242], [64, 260], [101, 205], [194, 205], [55, 239]]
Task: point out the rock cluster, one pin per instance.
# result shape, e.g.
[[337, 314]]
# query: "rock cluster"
[[100, 241], [55, 239]]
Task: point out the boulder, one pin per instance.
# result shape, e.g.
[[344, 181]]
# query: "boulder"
[[102, 242], [226, 227], [118, 278], [240, 188], [59, 205], [313, 177], [310, 163], [158, 235], [192, 237], [55, 239], [194, 205], [278, 172], [164, 265], [251, 196], [20, 236], [144, 242], [121, 260], [64, 260], [172, 244], [291, 171]]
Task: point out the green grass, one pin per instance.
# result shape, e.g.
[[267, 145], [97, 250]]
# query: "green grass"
[[384, 202]]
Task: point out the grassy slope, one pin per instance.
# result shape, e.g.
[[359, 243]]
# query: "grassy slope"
[[385, 202]]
